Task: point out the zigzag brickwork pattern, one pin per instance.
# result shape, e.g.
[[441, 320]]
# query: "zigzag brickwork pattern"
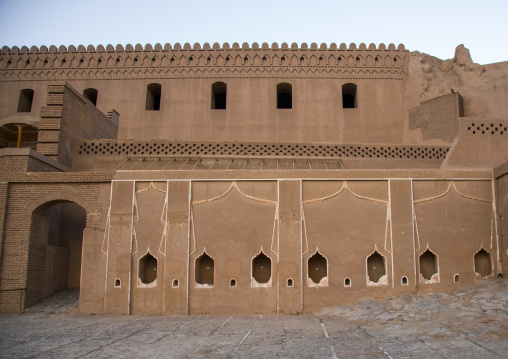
[[172, 62]]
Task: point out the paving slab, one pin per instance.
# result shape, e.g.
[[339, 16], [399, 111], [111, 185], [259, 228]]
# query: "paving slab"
[[469, 323]]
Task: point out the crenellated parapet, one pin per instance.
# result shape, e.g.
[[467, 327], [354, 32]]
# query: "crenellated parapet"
[[177, 61]]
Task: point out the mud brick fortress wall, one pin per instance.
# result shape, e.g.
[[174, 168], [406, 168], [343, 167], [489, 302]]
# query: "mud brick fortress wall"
[[247, 178]]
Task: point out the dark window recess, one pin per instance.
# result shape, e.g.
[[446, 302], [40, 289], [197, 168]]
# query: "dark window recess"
[[375, 267], [153, 97], [262, 268], [483, 263], [428, 264], [349, 99], [317, 268], [204, 270], [91, 95], [26, 98], [219, 95], [284, 95], [147, 269]]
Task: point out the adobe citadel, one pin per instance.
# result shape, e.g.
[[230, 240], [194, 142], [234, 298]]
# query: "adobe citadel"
[[249, 178]]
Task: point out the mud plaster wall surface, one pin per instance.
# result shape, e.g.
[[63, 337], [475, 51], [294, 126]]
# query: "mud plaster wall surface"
[[345, 221], [455, 220], [483, 87]]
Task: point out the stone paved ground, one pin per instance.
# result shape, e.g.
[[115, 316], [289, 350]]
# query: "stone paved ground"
[[471, 323], [66, 301]]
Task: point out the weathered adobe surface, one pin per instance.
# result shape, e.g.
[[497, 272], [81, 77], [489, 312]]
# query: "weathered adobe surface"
[[483, 87]]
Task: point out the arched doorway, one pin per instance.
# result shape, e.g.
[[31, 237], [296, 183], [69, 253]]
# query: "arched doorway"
[[55, 250]]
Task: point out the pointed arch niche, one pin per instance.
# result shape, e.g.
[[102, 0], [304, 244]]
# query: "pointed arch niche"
[[261, 270], [147, 270], [317, 270], [204, 270], [483, 263], [376, 269], [429, 267]]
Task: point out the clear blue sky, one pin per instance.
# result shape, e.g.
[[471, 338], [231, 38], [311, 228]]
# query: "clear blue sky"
[[434, 27]]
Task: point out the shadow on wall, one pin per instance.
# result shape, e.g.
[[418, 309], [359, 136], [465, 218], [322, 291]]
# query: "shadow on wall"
[[56, 241]]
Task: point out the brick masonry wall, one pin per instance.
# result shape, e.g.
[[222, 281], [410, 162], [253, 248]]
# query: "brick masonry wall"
[[438, 118], [16, 166], [54, 138], [36, 165], [4, 187], [502, 215], [23, 256]]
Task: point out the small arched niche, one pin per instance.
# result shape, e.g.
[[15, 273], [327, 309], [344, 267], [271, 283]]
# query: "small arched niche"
[[118, 284], [261, 270], [349, 98], [429, 269], [317, 270], [147, 269], [456, 278], [290, 282], [175, 283], [204, 270], [232, 283], [284, 95], [483, 263], [347, 282], [404, 280], [376, 269], [91, 95], [219, 95]]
